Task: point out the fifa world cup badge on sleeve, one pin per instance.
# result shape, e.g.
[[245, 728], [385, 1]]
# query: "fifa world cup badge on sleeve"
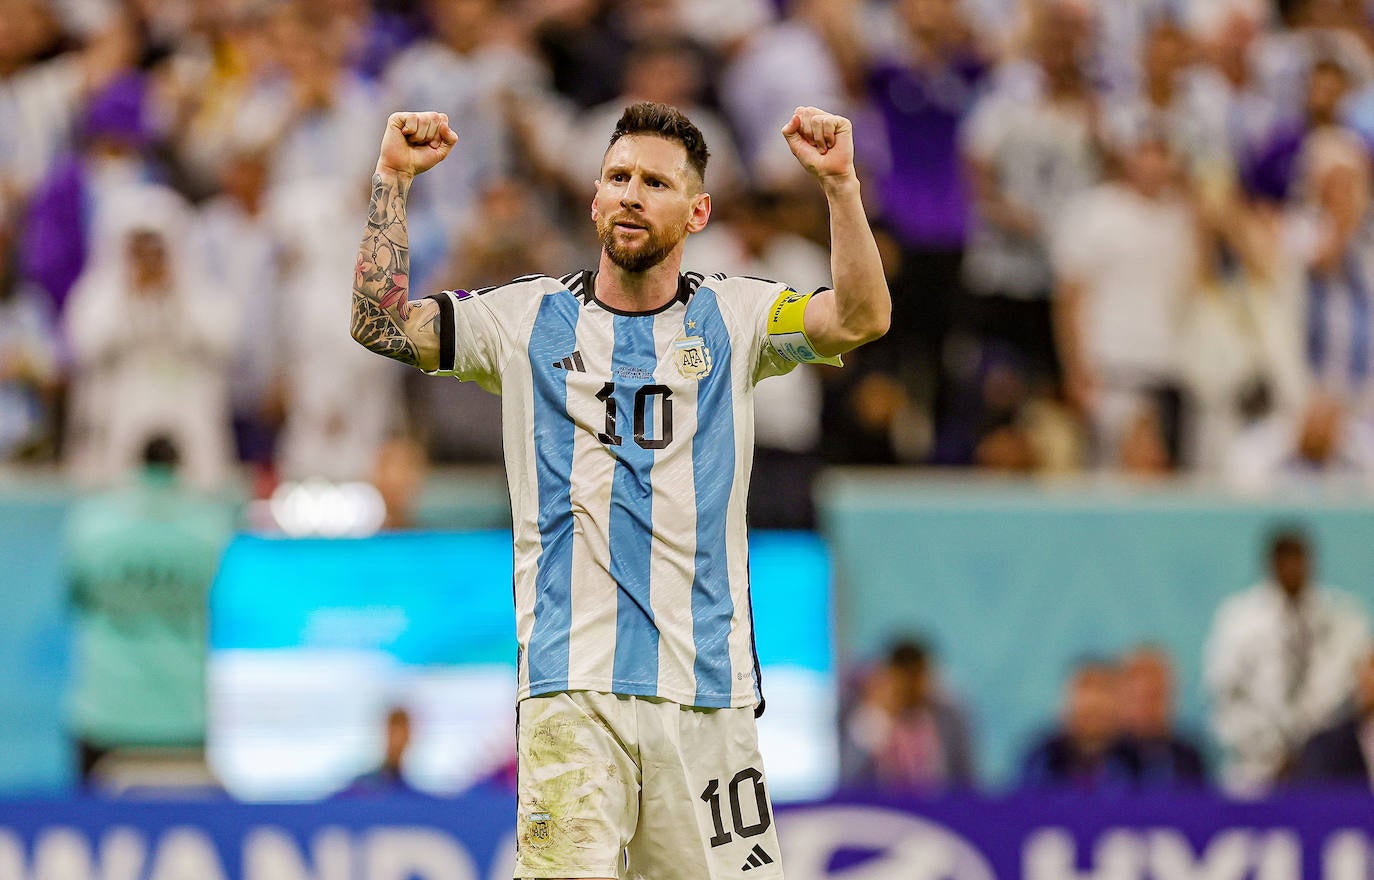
[[693, 357], [787, 330]]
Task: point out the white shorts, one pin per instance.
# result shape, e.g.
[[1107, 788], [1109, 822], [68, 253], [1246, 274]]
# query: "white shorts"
[[638, 787]]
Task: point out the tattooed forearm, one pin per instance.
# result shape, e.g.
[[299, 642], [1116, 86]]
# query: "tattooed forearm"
[[377, 331], [381, 279]]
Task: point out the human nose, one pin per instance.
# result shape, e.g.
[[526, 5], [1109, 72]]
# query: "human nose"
[[629, 197]]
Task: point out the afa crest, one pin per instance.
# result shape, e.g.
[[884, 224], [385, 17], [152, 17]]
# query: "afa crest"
[[538, 832], [693, 357]]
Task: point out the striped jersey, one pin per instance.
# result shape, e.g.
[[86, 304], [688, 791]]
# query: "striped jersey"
[[628, 445]]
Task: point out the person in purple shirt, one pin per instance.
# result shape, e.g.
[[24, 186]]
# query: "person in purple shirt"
[[922, 94], [113, 151]]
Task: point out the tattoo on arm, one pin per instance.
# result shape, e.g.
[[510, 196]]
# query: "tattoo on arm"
[[381, 279]]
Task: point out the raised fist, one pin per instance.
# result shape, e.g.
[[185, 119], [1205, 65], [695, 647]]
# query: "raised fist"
[[822, 142], [415, 142]]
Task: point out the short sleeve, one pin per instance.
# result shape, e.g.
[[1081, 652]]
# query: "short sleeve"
[[479, 329], [786, 329], [755, 305]]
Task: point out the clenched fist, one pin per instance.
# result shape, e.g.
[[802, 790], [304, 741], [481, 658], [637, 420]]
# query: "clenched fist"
[[415, 142], [822, 142]]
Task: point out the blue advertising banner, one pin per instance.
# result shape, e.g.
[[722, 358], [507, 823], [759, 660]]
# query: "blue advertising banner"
[[1327, 837]]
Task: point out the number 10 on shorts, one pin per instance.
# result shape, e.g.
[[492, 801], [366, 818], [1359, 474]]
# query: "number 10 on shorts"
[[712, 797]]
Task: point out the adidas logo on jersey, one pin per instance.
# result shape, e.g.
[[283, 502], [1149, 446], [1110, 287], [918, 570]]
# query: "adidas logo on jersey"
[[572, 362], [757, 859]]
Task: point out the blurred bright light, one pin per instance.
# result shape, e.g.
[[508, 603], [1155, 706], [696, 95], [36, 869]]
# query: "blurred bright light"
[[328, 510]]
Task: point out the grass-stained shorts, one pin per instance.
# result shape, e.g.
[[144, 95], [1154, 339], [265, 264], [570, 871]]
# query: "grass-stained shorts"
[[638, 787]]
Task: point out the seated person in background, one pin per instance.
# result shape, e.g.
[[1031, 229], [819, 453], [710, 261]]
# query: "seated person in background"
[[1087, 752], [1281, 660], [388, 777], [905, 734], [1344, 752], [1168, 760]]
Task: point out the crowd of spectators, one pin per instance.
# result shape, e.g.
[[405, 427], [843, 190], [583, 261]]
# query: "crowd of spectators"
[[1125, 236]]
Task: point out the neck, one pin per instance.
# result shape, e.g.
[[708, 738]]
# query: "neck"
[[638, 291]]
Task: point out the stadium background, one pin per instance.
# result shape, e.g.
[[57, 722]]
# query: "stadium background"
[[968, 491]]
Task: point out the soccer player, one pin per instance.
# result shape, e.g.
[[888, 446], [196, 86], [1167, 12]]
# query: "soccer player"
[[628, 427]]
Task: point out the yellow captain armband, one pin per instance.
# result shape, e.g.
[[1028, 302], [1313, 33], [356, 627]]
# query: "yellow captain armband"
[[787, 329]]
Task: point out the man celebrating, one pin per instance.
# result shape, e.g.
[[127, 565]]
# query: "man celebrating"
[[627, 408]]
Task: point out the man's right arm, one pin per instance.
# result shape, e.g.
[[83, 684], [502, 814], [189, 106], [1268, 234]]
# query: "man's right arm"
[[383, 318]]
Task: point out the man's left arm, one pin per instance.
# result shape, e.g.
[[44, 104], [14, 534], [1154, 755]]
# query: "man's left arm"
[[859, 309]]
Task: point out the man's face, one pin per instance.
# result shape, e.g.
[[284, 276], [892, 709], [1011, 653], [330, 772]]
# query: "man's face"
[[1147, 690], [647, 201], [1291, 571], [1091, 711]]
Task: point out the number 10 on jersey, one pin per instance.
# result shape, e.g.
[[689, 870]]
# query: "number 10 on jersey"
[[648, 398]]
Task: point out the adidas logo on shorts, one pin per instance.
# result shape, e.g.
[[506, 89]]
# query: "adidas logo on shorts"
[[757, 859]]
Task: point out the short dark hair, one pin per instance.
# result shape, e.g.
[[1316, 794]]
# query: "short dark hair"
[[662, 120], [160, 450], [1289, 539], [909, 653]]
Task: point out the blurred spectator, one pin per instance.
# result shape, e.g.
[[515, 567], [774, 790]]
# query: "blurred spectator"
[[28, 361], [111, 155], [1172, 99], [922, 89], [1168, 759], [237, 245], [399, 476], [1087, 752], [1343, 754], [905, 733], [1231, 35], [150, 342], [1241, 349], [341, 401], [1126, 257], [465, 71], [1281, 660], [779, 67], [1333, 235], [44, 79], [1013, 430], [584, 44], [1273, 172], [506, 232], [311, 97], [1032, 145], [208, 80], [1320, 447], [388, 777], [669, 68], [140, 563]]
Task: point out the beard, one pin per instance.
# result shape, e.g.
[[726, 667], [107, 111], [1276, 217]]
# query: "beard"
[[637, 257]]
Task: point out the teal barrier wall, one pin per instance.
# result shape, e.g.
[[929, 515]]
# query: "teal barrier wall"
[[34, 755], [1013, 583]]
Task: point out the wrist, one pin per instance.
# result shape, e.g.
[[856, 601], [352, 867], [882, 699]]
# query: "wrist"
[[386, 172], [839, 186]]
